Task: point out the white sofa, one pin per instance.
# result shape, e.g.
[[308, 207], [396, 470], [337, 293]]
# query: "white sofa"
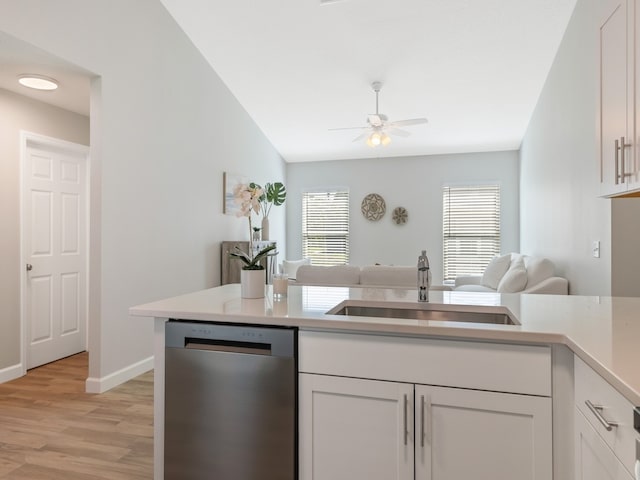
[[511, 273], [516, 273], [381, 276]]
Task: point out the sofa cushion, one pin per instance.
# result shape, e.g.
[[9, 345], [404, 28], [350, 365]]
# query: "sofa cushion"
[[538, 269], [515, 279], [335, 275], [389, 276], [290, 267], [474, 288], [495, 271]]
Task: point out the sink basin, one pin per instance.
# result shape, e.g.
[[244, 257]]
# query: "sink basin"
[[426, 313]]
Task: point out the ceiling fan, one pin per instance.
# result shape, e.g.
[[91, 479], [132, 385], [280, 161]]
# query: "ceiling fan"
[[379, 128]]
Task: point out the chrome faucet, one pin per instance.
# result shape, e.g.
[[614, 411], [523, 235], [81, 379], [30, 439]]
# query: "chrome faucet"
[[423, 277]]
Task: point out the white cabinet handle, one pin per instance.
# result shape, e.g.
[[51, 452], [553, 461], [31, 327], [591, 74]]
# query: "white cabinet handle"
[[637, 469], [597, 411]]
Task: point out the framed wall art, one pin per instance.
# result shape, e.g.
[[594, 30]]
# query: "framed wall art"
[[229, 181]]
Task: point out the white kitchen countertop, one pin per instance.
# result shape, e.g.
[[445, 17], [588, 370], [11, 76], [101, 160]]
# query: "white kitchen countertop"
[[603, 331]]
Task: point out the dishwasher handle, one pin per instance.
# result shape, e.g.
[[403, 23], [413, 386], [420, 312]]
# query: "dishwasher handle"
[[223, 337], [229, 346]]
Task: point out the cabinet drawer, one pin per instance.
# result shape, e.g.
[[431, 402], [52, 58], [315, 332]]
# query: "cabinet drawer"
[[496, 367], [593, 458], [589, 386]]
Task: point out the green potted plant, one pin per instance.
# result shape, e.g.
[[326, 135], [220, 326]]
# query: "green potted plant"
[[252, 263], [273, 194], [252, 275]]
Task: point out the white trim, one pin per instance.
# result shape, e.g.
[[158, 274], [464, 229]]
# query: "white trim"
[[102, 384], [36, 140], [30, 139], [11, 373]]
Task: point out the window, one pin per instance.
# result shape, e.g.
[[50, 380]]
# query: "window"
[[325, 227], [471, 229]]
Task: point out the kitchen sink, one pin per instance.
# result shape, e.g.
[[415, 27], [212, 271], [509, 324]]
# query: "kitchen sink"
[[425, 313]]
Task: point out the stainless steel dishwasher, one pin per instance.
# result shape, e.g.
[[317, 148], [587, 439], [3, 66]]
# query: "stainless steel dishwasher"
[[230, 402]]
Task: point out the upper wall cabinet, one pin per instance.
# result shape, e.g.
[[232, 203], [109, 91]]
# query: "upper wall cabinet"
[[618, 136]]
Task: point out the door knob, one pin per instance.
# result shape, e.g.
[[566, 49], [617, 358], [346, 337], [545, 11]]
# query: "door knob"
[[29, 267]]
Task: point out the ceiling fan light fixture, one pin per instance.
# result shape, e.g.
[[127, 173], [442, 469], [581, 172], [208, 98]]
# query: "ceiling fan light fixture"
[[37, 82], [374, 140], [377, 139], [378, 128]]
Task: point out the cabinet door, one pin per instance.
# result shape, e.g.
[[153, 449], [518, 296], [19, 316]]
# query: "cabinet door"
[[355, 429], [594, 459], [475, 434], [615, 95]]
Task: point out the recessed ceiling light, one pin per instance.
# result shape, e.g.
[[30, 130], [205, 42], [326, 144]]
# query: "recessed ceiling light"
[[39, 82]]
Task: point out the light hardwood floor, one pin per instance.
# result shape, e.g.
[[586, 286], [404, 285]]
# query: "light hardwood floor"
[[50, 429]]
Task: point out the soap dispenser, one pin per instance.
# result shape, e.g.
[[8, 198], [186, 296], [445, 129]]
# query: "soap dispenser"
[[423, 277]]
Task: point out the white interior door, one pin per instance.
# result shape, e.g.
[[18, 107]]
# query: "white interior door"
[[54, 243]]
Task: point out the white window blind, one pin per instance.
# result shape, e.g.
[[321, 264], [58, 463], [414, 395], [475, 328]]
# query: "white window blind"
[[325, 227], [471, 229]]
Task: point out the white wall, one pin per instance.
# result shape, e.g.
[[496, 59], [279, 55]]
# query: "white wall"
[[625, 238], [560, 212], [411, 182], [21, 113], [163, 129]]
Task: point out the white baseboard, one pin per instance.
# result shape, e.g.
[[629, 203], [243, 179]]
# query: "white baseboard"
[[11, 373], [102, 384]]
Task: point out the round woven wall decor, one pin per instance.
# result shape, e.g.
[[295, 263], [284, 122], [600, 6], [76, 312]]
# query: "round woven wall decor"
[[373, 207], [400, 215]]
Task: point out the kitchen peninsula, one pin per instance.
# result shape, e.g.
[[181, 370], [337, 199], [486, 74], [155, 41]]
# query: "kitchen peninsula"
[[429, 366]]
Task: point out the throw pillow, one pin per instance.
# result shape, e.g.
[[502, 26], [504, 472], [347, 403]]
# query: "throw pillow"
[[538, 269], [515, 279], [495, 271]]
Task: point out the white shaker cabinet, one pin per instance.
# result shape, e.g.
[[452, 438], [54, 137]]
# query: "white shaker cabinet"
[[374, 407], [475, 434], [352, 428], [355, 428], [617, 147]]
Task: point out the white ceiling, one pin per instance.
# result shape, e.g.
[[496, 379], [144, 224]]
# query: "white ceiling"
[[474, 68], [18, 57]]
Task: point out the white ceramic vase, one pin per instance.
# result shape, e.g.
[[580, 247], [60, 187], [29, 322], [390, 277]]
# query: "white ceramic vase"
[[252, 283], [265, 228]]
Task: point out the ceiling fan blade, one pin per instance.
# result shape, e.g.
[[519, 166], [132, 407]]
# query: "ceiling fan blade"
[[396, 131], [362, 136], [406, 123], [348, 128]]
